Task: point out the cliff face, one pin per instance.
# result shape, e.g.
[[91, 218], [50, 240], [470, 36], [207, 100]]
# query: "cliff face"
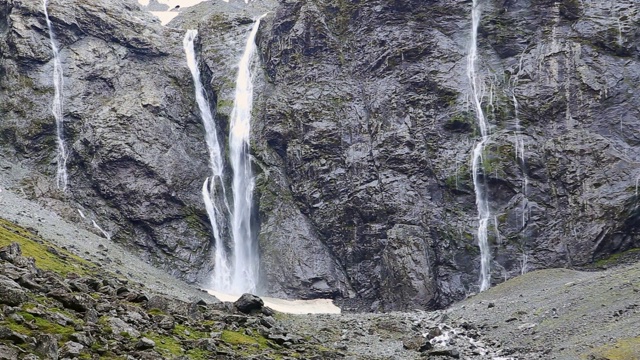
[[368, 115], [362, 136], [130, 124]]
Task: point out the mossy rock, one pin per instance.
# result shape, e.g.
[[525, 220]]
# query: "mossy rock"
[[460, 123], [47, 256]]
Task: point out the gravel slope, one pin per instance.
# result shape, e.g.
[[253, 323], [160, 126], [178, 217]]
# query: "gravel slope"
[[92, 247], [560, 313]]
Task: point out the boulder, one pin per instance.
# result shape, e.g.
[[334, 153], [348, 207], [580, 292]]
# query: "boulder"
[[118, 326], [71, 349], [47, 346], [145, 344], [248, 303], [12, 294], [8, 353]]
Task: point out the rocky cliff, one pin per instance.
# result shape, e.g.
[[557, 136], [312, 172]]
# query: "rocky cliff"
[[134, 164], [362, 136], [367, 114]]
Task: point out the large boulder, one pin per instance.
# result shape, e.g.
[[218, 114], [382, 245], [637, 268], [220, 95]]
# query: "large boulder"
[[12, 293], [248, 303]]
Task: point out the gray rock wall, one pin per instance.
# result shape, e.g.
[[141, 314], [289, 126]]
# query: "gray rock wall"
[[368, 114], [131, 125], [362, 136]]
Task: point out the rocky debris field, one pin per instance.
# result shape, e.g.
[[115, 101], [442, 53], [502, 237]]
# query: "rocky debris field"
[[551, 314], [561, 313], [56, 305]]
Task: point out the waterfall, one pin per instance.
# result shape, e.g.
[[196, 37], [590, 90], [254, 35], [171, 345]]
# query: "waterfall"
[[245, 259], [479, 185], [221, 273], [56, 106]]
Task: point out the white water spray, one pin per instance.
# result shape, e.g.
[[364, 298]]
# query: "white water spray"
[[482, 202], [221, 280], [520, 157], [56, 106], [245, 256], [106, 234]]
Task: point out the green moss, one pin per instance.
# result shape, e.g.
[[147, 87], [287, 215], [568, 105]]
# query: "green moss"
[[53, 328], [194, 221], [199, 354], [188, 333], [43, 326], [222, 103], [27, 317], [166, 345], [33, 246], [103, 322], [254, 342], [616, 258], [622, 350], [237, 338], [156, 311], [19, 328]]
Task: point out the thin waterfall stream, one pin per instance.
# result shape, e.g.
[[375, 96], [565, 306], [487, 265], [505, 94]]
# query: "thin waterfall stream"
[[245, 259], [221, 273], [57, 105], [482, 202]]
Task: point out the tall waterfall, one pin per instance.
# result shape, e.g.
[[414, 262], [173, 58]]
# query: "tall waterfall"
[[240, 273], [479, 184], [221, 272], [56, 106], [245, 259]]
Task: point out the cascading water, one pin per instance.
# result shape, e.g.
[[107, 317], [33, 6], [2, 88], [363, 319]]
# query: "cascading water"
[[245, 259], [56, 106], [221, 280], [520, 157], [479, 185]]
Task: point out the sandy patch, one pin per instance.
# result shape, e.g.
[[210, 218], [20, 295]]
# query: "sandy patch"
[[317, 306]]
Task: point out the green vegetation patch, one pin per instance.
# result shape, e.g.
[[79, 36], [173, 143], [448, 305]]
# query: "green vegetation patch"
[[198, 354], [166, 345], [185, 332], [156, 311], [616, 259], [43, 326], [622, 350], [237, 338], [47, 256]]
